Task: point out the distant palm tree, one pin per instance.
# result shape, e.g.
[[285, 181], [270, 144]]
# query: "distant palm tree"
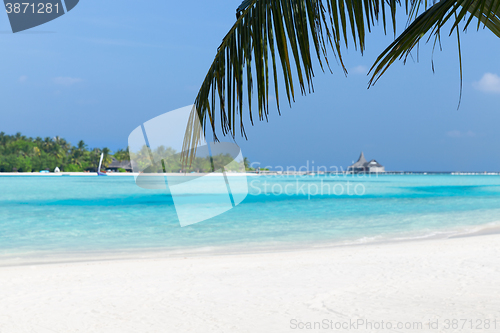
[[3, 138], [47, 144], [65, 145], [81, 145], [57, 151], [281, 33], [246, 163], [122, 155]]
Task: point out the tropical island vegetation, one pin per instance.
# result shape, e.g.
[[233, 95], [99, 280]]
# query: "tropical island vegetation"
[[167, 159], [25, 154], [19, 153]]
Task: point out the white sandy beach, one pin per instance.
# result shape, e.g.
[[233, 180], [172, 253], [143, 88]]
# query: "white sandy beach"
[[270, 292]]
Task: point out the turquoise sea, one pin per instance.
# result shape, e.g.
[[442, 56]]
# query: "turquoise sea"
[[79, 216]]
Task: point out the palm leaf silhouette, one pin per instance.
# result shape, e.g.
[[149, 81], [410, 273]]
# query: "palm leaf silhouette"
[[279, 39]]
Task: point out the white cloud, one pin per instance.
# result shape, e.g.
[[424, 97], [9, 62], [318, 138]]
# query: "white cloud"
[[458, 134], [67, 81], [23, 78], [360, 70], [489, 83]]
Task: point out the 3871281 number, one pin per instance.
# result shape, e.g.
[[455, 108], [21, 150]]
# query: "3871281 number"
[[26, 7], [473, 324]]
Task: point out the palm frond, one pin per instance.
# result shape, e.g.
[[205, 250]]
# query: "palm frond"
[[274, 39], [431, 22]]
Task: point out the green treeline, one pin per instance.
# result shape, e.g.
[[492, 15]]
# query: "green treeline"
[[169, 160], [23, 154]]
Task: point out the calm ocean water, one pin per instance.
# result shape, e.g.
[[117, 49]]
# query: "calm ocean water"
[[75, 215]]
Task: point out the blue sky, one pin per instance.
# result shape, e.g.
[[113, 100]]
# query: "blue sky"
[[104, 68]]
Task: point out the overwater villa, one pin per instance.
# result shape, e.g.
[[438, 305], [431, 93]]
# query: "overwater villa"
[[363, 166]]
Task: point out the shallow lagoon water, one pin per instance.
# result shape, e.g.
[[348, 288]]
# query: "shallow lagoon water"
[[75, 215]]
